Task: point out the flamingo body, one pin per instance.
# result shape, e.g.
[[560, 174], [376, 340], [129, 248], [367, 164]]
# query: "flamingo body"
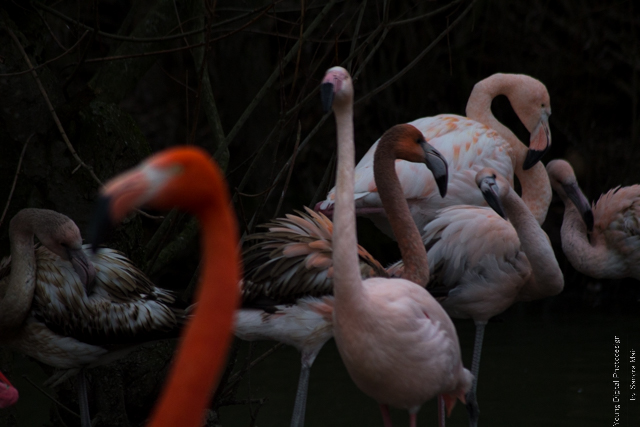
[[601, 240], [467, 145]]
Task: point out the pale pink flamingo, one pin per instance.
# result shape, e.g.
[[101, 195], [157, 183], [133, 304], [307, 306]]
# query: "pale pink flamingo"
[[187, 178], [396, 341], [8, 394], [469, 144], [70, 312], [291, 267], [603, 240], [486, 263]]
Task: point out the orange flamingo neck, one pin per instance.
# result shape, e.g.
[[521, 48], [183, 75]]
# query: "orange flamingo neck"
[[203, 349]]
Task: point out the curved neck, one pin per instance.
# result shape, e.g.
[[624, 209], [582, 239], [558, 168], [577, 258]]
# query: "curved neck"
[[203, 349], [347, 282], [536, 188], [546, 277], [414, 254], [592, 260], [17, 294]]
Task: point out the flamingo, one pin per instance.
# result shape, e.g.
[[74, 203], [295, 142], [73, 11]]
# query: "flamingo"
[[8, 394], [469, 144], [72, 313], [274, 273], [603, 240], [398, 344], [486, 263], [187, 178]]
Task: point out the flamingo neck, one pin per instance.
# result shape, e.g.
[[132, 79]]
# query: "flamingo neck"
[[591, 259], [203, 348], [347, 281], [546, 276], [535, 184], [414, 255], [17, 294]]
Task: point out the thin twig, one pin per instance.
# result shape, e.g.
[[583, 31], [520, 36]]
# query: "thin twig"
[[235, 377], [44, 64], [426, 15], [286, 182], [53, 399], [418, 58], [44, 21], [147, 39], [15, 178]]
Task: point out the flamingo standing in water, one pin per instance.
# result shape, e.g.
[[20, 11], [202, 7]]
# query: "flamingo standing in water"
[[603, 240], [275, 275], [396, 341], [187, 178], [8, 394], [486, 263], [469, 144], [69, 312]]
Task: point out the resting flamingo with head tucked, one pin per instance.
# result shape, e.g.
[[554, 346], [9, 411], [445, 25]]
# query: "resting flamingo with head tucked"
[[396, 341], [8, 394], [186, 178], [70, 312], [486, 263], [469, 144], [291, 265], [603, 240]]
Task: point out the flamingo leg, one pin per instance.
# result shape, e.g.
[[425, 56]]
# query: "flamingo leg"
[[441, 412], [413, 420], [83, 400], [475, 369], [297, 420], [386, 417]]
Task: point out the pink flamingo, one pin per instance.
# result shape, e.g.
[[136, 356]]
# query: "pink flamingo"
[[187, 178], [603, 240], [469, 144], [486, 263], [291, 266], [69, 312], [396, 341], [8, 394]]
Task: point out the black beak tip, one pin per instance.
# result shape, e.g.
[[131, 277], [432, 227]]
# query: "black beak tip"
[[533, 157], [588, 219], [472, 408], [326, 96], [442, 185], [100, 226]]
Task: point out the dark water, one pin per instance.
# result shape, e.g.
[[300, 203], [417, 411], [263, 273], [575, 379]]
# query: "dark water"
[[542, 365], [538, 368]]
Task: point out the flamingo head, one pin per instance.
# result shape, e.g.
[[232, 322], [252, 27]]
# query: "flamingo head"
[[530, 100], [409, 144], [59, 234], [180, 176], [8, 394], [336, 88], [493, 187], [563, 181]]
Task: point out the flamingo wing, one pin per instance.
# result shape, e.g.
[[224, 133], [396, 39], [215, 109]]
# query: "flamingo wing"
[[468, 147], [293, 259]]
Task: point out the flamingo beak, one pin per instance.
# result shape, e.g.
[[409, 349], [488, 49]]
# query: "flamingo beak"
[[8, 394], [489, 189], [326, 95], [539, 142], [83, 267], [117, 198], [438, 166], [581, 203]]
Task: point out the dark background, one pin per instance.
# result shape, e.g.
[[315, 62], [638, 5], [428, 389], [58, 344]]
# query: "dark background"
[[250, 98]]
